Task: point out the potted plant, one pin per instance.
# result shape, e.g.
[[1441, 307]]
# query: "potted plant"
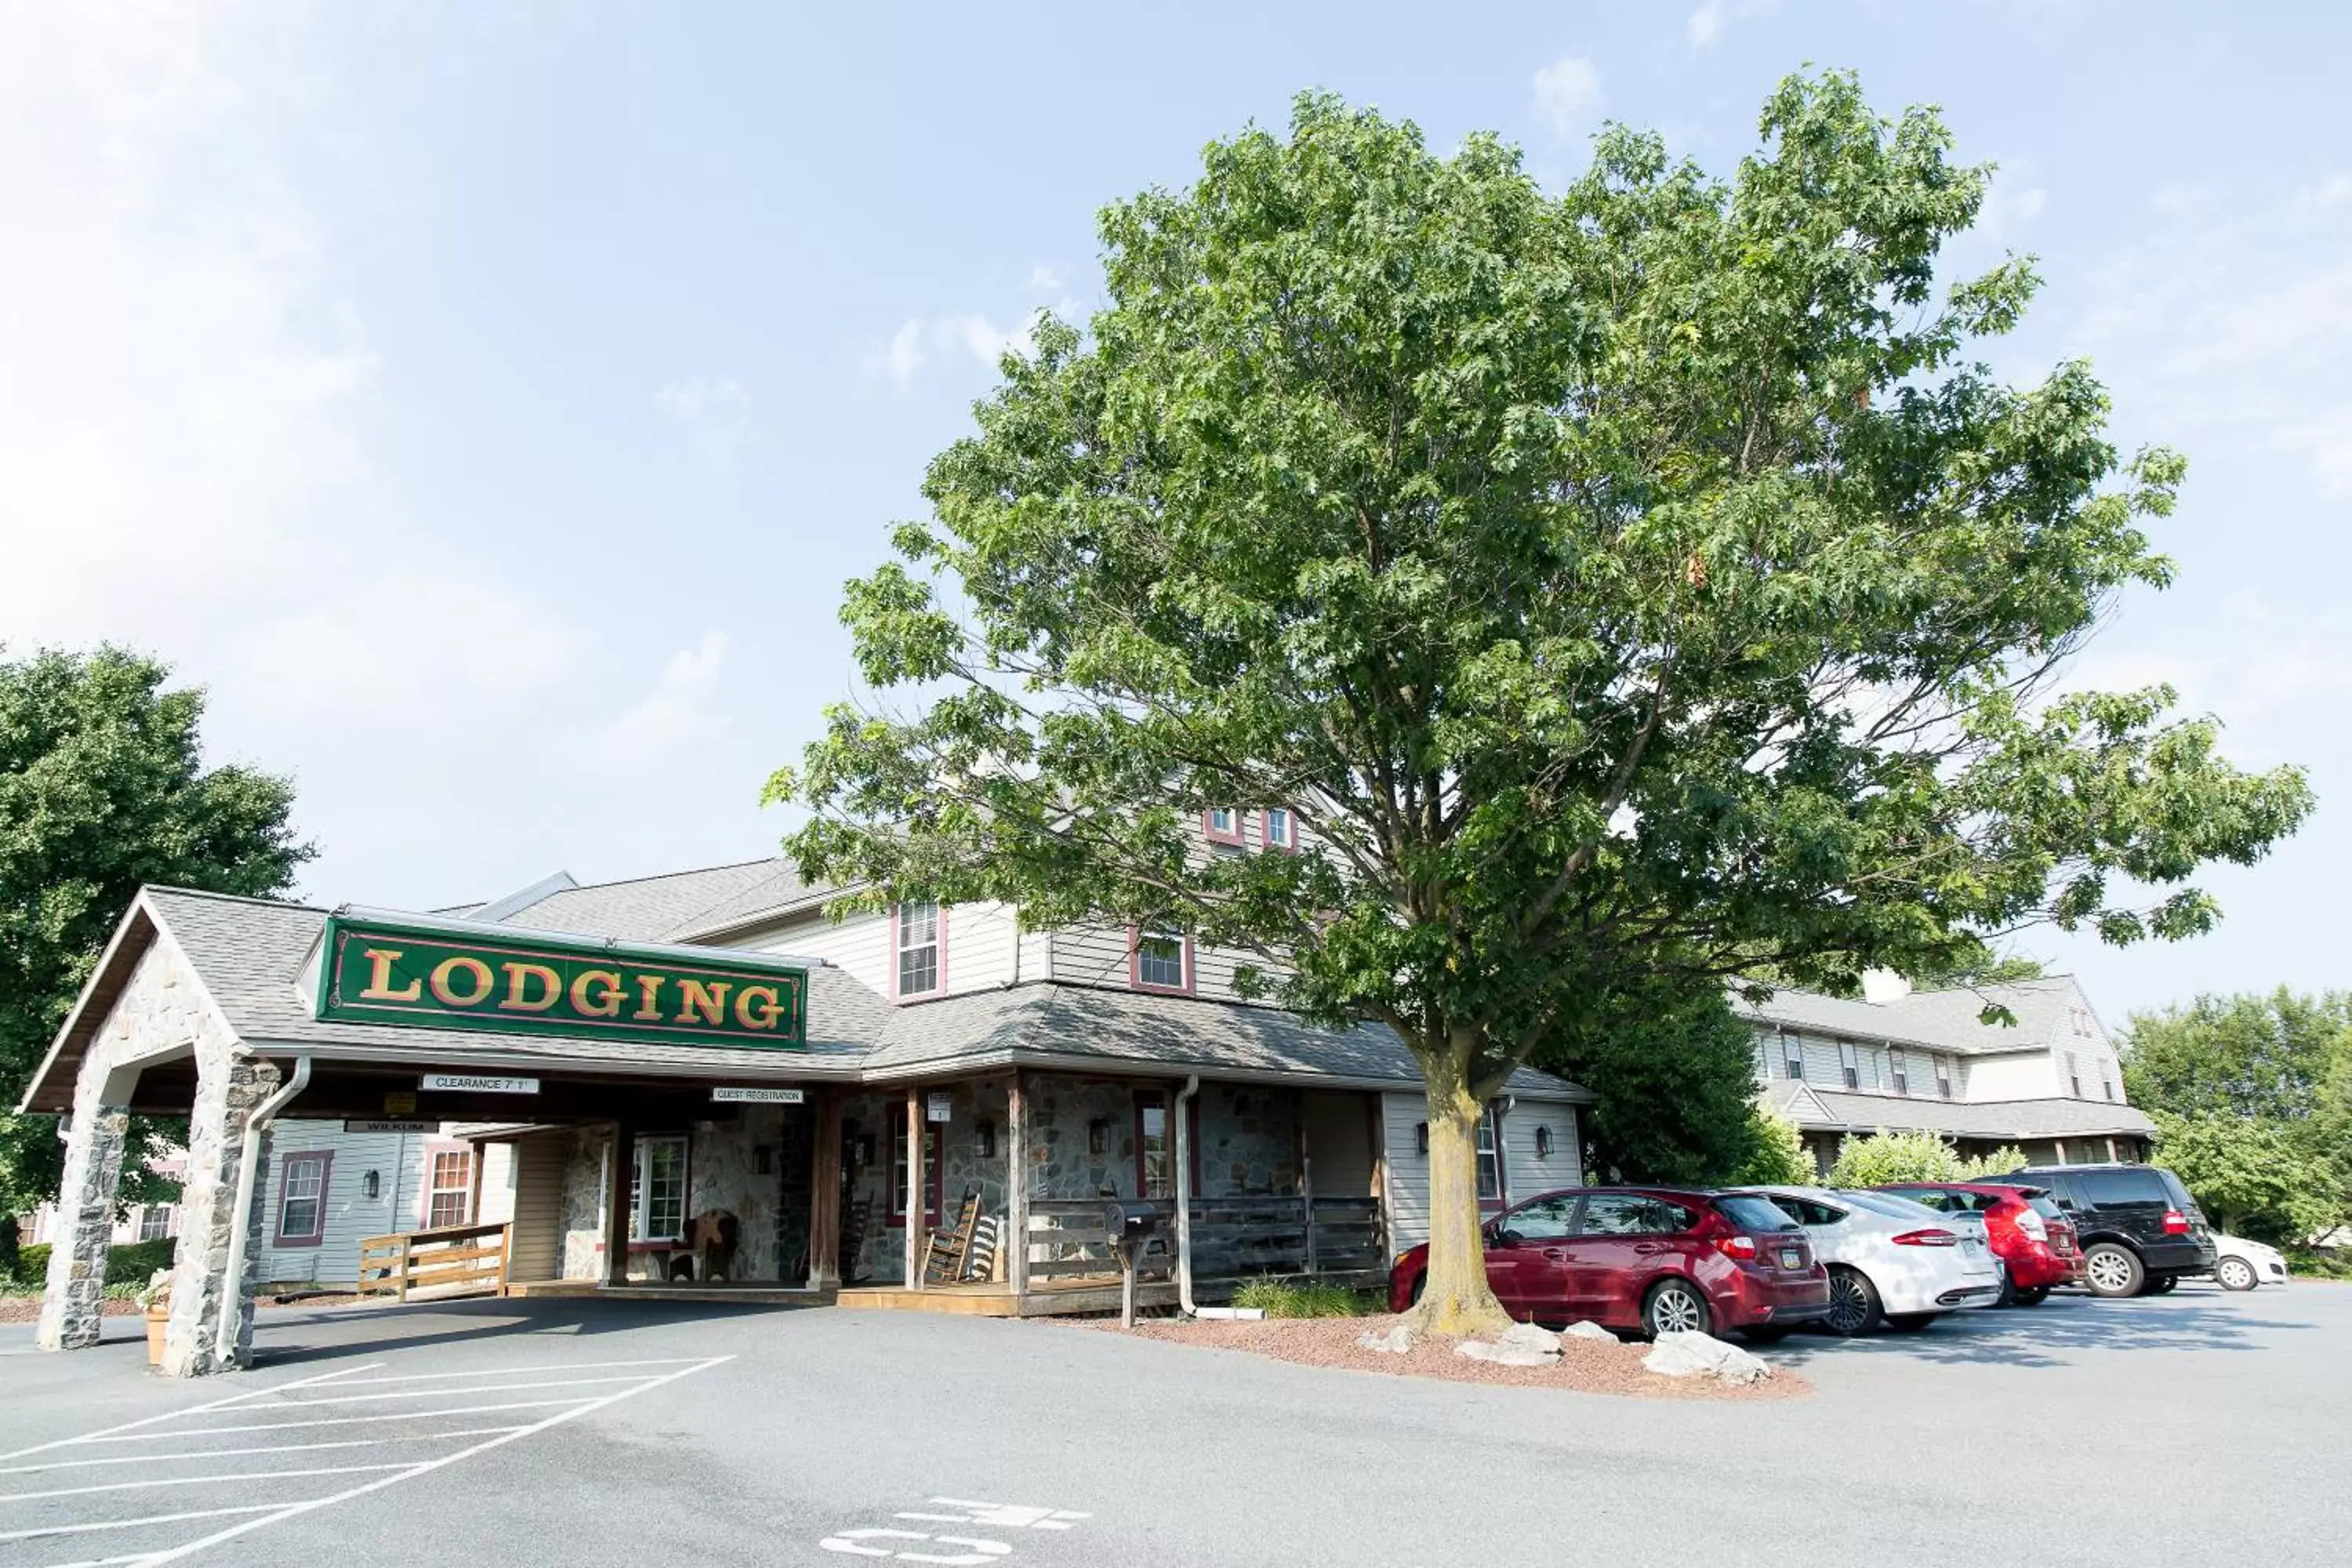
[[155, 1301]]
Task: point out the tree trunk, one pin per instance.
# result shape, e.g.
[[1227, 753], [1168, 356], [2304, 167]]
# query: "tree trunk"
[[1454, 1298]]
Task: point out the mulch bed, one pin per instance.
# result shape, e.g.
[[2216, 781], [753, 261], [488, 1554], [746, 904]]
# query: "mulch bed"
[[1585, 1366]]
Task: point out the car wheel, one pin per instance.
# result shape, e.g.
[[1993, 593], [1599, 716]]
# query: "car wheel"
[[1910, 1322], [2235, 1274], [2007, 1297], [2030, 1296], [1853, 1303], [2112, 1270], [1675, 1306], [2162, 1284]]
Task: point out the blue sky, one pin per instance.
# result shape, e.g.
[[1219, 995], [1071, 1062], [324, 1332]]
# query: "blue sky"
[[488, 402]]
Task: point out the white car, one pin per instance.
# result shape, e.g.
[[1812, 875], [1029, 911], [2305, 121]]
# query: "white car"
[[2241, 1265], [1890, 1259]]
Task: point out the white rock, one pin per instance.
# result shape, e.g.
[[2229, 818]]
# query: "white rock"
[[1507, 1355], [1396, 1342], [1529, 1337], [1588, 1330], [1704, 1355]]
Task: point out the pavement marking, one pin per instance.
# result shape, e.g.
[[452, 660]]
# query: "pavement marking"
[[200, 1481], [334, 1420], [85, 1528], [516, 1371], [461, 1393], [238, 1453], [292, 1511], [887, 1541], [106, 1433]]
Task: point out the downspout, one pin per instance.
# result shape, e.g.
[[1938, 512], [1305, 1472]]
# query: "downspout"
[[248, 1162], [1183, 1141]]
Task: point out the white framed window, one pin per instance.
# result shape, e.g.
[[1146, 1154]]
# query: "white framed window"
[[1162, 960], [156, 1222], [1943, 1078], [658, 1191], [1281, 828], [2107, 1082], [1792, 1056], [1899, 1070], [449, 1198], [1490, 1160], [1849, 1065], [934, 1172], [920, 971], [2074, 1075], [302, 1200]]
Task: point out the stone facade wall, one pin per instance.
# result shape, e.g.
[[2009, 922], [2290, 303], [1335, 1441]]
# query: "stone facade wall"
[[583, 1205], [1249, 1140], [881, 1257]]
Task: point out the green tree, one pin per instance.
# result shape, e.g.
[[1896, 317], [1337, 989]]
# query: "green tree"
[[2251, 1176], [2000, 1161], [1884, 1157], [1776, 1154], [1675, 1073], [102, 788], [1635, 583], [2266, 1057]]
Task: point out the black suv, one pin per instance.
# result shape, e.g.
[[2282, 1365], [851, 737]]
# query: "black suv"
[[2140, 1229]]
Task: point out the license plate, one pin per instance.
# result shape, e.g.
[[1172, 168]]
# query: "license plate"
[[1971, 1243], [1791, 1258]]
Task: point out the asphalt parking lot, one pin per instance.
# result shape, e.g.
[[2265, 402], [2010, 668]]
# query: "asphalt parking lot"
[[2186, 1428]]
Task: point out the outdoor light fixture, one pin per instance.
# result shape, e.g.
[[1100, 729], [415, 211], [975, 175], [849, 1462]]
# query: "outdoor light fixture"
[[1543, 1143], [370, 1186], [1099, 1135], [1421, 1137], [983, 1138]]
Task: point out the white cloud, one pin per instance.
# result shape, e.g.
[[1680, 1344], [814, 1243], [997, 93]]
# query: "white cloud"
[[2006, 214], [1043, 276], [968, 338], [714, 411], [1567, 94], [680, 709], [2265, 671], [2325, 441], [904, 357]]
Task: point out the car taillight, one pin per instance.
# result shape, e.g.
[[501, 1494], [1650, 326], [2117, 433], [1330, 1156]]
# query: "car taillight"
[[1927, 1238], [2175, 1223], [1742, 1248], [2030, 1224]]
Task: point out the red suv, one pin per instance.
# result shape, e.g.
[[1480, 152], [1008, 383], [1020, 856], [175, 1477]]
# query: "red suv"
[[2028, 1231], [1656, 1259]]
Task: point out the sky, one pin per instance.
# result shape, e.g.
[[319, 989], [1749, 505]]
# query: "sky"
[[486, 402]]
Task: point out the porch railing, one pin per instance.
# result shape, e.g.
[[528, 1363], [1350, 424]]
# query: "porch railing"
[[1067, 1240], [1232, 1238], [446, 1260]]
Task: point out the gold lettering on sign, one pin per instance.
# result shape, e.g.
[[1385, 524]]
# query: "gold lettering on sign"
[[607, 1001], [648, 998], [710, 1001], [446, 994], [551, 987], [757, 1007], [379, 985]]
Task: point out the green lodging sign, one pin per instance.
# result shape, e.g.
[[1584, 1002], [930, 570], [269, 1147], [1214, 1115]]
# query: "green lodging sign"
[[374, 972]]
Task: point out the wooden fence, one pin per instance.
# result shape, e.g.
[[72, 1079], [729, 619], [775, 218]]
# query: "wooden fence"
[[449, 1260], [1232, 1238]]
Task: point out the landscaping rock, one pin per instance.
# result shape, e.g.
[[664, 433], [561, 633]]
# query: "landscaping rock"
[[1529, 1337], [1521, 1344], [1704, 1355], [1398, 1341], [1587, 1330]]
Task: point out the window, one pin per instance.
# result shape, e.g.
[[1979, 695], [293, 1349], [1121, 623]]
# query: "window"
[[1281, 828], [1545, 1219], [156, 1222], [919, 949], [1747, 1212], [1848, 1067], [1631, 1213], [1807, 1212], [2075, 1076], [1792, 1056], [449, 1199], [1222, 824], [302, 1200], [934, 1171], [1490, 1161], [1900, 1069], [1160, 960], [2106, 1083], [658, 1191], [1155, 1160], [1943, 1078]]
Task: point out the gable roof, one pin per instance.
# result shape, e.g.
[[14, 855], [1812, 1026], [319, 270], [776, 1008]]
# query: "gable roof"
[[1939, 1020]]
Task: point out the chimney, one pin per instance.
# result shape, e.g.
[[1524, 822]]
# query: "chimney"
[[1883, 985]]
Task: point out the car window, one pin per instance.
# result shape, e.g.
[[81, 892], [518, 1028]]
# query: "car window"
[[2107, 1189], [2045, 1208], [2179, 1193], [1632, 1213], [1545, 1219], [1751, 1213], [1807, 1211], [1934, 1197], [1892, 1206]]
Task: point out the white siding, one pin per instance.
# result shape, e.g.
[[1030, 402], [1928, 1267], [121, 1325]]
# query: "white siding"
[[1524, 1173], [979, 940], [1407, 1185], [497, 1189], [859, 945], [2015, 1075]]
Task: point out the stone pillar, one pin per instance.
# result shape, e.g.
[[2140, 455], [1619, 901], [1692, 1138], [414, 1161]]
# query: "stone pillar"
[[76, 1296], [824, 1195], [226, 1094]]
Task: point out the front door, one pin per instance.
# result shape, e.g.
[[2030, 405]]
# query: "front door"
[[1527, 1261]]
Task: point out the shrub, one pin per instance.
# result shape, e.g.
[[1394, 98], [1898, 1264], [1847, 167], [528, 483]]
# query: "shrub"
[[1279, 1298], [1884, 1157], [33, 1265], [1999, 1162], [2318, 1263], [133, 1261], [1778, 1156]]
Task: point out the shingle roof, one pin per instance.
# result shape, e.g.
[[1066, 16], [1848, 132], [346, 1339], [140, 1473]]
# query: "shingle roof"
[[1941, 1020], [2007, 1119], [657, 909], [1047, 1020]]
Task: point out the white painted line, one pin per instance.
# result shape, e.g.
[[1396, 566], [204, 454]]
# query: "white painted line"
[[106, 1433], [217, 1537], [203, 1481], [462, 1393], [239, 1453], [49, 1529], [352, 1420], [517, 1370]]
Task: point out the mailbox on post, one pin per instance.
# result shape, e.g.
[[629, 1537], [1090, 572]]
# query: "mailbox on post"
[[1132, 1224]]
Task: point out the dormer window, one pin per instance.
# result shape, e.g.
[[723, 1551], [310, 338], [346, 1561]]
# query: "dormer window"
[[2074, 1075], [1281, 828], [1900, 1069], [1159, 961], [1943, 1078], [1222, 824], [1849, 1065], [1792, 1057], [917, 930]]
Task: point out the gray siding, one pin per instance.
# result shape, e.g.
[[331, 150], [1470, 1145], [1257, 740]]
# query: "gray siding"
[[1407, 1183], [1525, 1174], [351, 1216]]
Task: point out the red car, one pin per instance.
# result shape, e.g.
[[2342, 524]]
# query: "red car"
[[1653, 1259], [2027, 1232]]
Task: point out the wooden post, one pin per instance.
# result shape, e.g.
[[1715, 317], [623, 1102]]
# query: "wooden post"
[[1376, 1138], [1305, 1177], [1016, 1186], [917, 1186], [620, 1181], [505, 1253], [825, 1196]]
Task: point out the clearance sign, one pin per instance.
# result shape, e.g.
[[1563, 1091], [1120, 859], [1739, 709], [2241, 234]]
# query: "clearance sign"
[[378, 972]]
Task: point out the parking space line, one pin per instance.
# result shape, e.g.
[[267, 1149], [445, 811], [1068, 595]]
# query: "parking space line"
[[291, 1511], [107, 1432], [204, 1480], [464, 1392], [239, 1453], [517, 1370], [346, 1420], [43, 1531]]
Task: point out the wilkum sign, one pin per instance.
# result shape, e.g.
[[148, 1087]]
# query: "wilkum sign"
[[379, 973]]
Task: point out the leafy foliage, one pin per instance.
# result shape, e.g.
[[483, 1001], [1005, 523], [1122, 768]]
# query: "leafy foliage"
[[1640, 584], [102, 788], [1675, 1072], [1278, 1297], [2001, 1162], [2251, 1176], [1777, 1155], [1884, 1157]]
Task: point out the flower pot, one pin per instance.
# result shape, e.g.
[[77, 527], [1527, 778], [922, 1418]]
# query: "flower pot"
[[156, 1323]]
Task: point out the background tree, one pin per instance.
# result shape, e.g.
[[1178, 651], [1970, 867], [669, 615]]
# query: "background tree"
[[1637, 584], [102, 788], [2251, 1176], [1778, 1156], [1675, 1073]]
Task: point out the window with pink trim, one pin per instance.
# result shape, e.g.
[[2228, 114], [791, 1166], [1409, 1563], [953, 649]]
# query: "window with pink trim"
[[1222, 824], [449, 1198], [1281, 828], [302, 1199], [1159, 961]]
